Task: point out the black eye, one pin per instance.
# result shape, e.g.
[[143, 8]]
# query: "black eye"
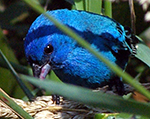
[[49, 49]]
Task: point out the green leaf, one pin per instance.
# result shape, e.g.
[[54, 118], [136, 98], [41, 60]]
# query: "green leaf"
[[21, 84], [108, 8], [118, 116], [94, 6], [19, 68], [80, 4], [7, 80], [143, 53], [96, 99]]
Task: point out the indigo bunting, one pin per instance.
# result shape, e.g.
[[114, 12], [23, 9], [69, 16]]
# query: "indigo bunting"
[[48, 48]]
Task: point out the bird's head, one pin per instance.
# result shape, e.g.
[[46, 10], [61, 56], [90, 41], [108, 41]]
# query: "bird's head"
[[38, 54], [46, 47]]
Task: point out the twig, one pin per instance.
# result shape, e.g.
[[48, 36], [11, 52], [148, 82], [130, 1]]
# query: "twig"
[[133, 17]]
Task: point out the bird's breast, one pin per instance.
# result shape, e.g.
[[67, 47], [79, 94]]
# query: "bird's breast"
[[84, 69]]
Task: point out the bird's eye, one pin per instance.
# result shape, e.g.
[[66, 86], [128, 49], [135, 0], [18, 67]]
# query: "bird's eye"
[[49, 49]]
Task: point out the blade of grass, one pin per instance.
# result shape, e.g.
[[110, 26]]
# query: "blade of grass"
[[6, 78], [14, 106], [80, 4], [95, 6], [108, 8], [86, 45], [17, 67], [24, 88], [96, 99], [25, 70], [87, 5]]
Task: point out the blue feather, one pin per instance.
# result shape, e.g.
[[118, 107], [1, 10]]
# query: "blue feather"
[[71, 62]]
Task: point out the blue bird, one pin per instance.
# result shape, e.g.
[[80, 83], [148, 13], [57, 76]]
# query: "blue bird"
[[48, 48]]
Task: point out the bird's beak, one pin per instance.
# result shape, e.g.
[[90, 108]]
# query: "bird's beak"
[[41, 71]]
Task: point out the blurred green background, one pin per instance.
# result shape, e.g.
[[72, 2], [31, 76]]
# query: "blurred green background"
[[16, 18]]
